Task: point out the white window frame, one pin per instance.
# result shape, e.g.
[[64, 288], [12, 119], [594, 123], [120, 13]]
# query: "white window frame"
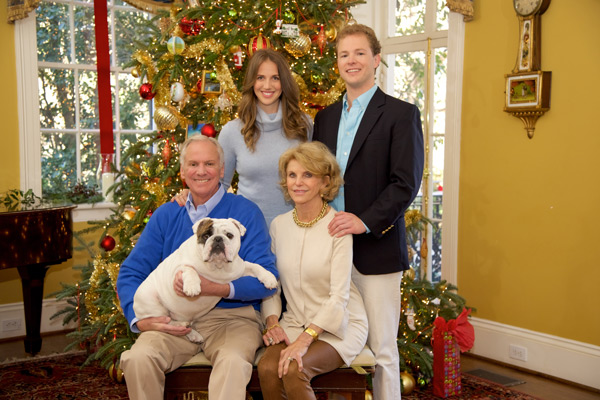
[[29, 119], [377, 14]]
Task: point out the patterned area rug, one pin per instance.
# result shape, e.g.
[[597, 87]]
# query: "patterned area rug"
[[61, 377]]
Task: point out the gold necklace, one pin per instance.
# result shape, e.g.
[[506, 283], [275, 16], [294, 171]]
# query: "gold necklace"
[[310, 223]]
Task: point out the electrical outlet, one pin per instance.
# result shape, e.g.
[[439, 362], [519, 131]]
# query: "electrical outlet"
[[517, 352], [11, 324]]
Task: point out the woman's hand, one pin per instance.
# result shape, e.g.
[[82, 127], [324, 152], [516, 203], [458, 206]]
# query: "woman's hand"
[[274, 334], [294, 352], [181, 197]]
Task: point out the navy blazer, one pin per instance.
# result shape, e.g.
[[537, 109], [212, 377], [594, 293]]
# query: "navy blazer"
[[382, 177]]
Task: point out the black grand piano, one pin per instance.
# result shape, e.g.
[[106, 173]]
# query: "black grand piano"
[[31, 239]]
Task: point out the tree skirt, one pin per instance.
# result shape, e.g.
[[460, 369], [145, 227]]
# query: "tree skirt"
[[61, 377]]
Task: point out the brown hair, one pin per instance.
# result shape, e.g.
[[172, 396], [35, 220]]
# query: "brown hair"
[[295, 123], [318, 160], [359, 29]]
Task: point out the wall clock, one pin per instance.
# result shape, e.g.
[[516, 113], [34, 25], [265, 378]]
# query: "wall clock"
[[528, 87]]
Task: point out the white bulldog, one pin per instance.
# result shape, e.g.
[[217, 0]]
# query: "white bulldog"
[[212, 251]]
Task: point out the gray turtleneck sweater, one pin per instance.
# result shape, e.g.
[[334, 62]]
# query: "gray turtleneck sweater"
[[258, 170]]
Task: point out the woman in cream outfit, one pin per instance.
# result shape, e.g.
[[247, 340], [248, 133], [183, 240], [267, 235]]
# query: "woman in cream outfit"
[[325, 324]]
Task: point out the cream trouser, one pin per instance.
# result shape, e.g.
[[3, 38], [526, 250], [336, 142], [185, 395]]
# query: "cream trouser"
[[381, 295], [232, 336]]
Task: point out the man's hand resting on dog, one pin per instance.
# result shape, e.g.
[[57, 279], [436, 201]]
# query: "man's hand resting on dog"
[[209, 288], [161, 324]]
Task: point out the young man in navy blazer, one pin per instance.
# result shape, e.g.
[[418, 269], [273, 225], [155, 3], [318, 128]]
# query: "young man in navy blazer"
[[378, 142]]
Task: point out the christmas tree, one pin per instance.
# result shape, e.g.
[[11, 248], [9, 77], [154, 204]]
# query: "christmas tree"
[[191, 63]]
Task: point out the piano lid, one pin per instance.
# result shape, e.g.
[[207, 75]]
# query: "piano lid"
[[40, 234]]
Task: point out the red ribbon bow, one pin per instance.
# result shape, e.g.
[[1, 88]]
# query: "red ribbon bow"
[[460, 328]]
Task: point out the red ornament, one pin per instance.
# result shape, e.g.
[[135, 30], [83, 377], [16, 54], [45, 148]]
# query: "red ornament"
[[146, 92], [321, 39], [257, 43], [108, 243], [208, 130], [166, 153], [199, 85], [191, 26]]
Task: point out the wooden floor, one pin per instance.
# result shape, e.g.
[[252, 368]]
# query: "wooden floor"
[[536, 385]]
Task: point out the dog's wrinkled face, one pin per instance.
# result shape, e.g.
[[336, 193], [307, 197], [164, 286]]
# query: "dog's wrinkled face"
[[220, 239]]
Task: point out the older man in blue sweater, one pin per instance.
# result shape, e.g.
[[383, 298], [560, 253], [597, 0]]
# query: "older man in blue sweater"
[[232, 330]]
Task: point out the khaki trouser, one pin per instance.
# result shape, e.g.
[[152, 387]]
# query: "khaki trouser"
[[232, 336]]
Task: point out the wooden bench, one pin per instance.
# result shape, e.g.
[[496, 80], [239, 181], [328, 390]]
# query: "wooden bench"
[[349, 382]]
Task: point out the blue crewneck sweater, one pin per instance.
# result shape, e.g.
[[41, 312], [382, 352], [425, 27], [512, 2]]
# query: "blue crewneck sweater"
[[170, 225]]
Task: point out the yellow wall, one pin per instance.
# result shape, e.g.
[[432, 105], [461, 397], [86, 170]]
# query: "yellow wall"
[[9, 149], [528, 226]]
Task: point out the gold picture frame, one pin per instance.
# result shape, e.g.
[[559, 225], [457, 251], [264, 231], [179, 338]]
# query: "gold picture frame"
[[210, 84]]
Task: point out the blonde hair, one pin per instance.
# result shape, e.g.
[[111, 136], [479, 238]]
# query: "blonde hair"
[[295, 123], [318, 160], [359, 29]]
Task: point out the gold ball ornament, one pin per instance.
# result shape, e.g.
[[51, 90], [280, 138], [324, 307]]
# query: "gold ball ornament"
[[166, 118], [298, 47], [116, 373], [135, 72], [410, 274], [408, 383], [368, 395], [331, 33]]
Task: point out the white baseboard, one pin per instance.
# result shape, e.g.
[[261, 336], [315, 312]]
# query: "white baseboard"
[[15, 314], [551, 355]]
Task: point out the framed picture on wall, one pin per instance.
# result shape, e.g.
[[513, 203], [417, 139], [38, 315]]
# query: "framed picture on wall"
[[528, 91]]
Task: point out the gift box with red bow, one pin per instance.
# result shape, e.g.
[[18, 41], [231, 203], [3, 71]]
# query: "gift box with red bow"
[[449, 340]]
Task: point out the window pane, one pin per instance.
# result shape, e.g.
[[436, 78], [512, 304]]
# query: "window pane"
[[52, 30], [88, 100], [409, 78], [410, 17], [85, 39], [133, 110], [89, 152], [442, 15], [128, 28], [439, 90], [59, 162], [56, 94], [436, 248], [127, 140]]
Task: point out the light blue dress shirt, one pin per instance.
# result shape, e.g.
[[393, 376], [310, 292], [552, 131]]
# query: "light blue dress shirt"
[[346, 133]]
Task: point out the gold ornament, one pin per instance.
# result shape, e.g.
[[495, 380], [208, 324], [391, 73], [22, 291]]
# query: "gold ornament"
[[115, 373], [331, 33], [410, 274], [408, 383], [368, 395], [135, 72], [166, 118], [258, 43], [298, 47], [157, 190]]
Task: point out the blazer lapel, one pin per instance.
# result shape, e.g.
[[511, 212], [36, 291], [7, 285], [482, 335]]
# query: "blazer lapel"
[[332, 128], [372, 114]]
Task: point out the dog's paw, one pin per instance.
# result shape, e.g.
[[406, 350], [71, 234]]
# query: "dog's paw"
[[268, 279], [195, 337], [191, 288]]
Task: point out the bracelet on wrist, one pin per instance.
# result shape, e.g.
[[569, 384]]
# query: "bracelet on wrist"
[[312, 333], [269, 328]]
